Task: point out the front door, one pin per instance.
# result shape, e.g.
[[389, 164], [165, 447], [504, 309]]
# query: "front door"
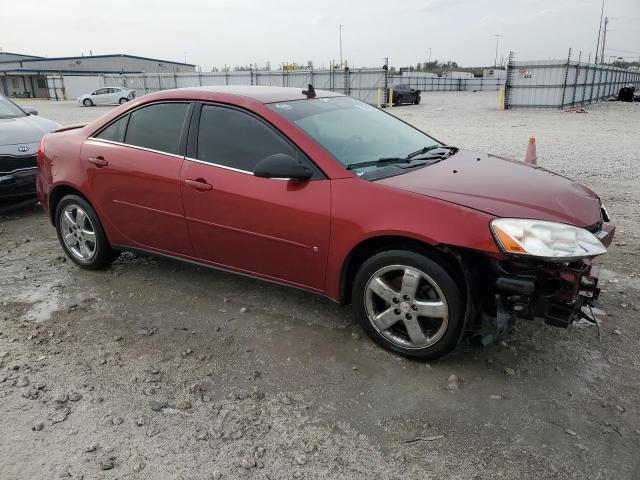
[[133, 168], [272, 228]]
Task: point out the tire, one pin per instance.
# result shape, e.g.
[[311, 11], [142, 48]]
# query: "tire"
[[122, 101], [410, 332], [399, 100], [86, 244], [87, 102], [417, 102]]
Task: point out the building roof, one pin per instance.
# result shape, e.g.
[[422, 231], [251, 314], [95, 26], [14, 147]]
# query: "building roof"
[[24, 55], [113, 55]]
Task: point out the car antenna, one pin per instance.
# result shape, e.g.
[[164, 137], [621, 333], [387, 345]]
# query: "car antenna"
[[309, 92]]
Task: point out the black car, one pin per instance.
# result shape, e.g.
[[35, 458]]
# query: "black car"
[[405, 94], [20, 133]]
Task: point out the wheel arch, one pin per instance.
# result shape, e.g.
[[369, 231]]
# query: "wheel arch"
[[445, 256], [58, 193]]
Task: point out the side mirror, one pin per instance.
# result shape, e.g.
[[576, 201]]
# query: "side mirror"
[[282, 166], [30, 110]]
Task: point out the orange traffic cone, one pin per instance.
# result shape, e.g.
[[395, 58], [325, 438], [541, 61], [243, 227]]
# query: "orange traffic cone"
[[531, 157]]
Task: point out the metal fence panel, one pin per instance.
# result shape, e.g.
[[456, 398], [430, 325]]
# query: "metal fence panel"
[[562, 84], [360, 83]]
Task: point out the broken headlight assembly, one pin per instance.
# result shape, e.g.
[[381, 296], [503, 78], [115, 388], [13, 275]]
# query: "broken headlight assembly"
[[545, 240]]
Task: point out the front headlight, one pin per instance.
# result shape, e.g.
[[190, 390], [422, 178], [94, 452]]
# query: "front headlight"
[[548, 240]]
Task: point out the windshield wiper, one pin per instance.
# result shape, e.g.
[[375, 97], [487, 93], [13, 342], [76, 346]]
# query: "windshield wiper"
[[408, 159], [381, 162]]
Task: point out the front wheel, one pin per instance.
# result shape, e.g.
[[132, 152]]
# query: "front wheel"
[[87, 102], [409, 304], [123, 101], [81, 235], [417, 102]]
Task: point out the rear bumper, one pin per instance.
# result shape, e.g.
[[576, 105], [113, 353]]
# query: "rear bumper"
[[19, 183]]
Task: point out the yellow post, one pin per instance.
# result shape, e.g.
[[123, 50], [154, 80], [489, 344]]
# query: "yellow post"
[[390, 104], [501, 99], [379, 98]]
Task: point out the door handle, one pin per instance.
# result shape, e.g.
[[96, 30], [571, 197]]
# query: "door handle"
[[199, 184], [98, 161]]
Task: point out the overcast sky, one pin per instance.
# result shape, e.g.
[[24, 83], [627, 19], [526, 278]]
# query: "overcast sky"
[[233, 32]]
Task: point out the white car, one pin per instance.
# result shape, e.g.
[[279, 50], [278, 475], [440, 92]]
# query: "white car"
[[106, 96]]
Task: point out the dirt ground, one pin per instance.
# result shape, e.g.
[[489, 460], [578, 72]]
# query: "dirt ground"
[[156, 369]]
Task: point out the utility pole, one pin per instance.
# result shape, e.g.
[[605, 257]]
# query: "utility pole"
[[340, 30], [599, 31], [495, 60], [604, 38]]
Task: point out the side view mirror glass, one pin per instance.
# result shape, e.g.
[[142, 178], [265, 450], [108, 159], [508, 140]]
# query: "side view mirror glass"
[[30, 110], [282, 166]]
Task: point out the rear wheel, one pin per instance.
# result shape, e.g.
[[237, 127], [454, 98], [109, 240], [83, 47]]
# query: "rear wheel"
[[409, 304], [87, 102], [398, 100], [81, 235]]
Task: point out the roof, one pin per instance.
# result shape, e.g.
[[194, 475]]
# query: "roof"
[[24, 55], [113, 55], [261, 94]]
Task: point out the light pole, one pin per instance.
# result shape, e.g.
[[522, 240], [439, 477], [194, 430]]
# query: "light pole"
[[340, 33], [495, 60]]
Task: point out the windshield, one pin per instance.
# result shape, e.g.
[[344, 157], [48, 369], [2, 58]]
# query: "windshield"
[[8, 109], [352, 131]]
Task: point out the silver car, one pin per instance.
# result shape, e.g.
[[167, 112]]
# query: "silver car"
[[20, 133], [106, 96]]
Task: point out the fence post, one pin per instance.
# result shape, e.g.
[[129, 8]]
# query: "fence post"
[[575, 80], [144, 82], [199, 79], [385, 83], [508, 82], [566, 76], [347, 80], [586, 78]]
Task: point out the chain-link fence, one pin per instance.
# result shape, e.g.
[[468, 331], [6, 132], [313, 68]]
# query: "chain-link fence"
[[562, 84]]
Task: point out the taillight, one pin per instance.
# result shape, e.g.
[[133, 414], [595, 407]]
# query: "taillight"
[[40, 153]]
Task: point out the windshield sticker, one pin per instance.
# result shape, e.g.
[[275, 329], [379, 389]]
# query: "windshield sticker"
[[283, 106]]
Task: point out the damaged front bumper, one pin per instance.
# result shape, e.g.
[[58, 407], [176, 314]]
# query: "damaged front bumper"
[[520, 288]]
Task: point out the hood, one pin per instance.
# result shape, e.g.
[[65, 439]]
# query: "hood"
[[503, 188], [29, 129]]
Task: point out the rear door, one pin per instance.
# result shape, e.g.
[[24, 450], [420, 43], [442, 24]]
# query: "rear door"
[[272, 228], [100, 96], [133, 167]]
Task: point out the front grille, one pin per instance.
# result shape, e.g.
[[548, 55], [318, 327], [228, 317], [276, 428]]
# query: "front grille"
[[10, 163]]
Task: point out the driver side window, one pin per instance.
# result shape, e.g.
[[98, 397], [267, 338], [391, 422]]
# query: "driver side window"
[[236, 139]]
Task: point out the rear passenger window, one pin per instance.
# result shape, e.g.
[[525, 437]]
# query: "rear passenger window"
[[157, 127], [115, 132], [236, 139]]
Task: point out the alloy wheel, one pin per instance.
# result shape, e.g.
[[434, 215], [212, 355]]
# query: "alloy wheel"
[[78, 232], [406, 306]]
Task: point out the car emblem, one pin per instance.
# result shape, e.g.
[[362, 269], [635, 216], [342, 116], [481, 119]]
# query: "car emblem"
[[23, 148]]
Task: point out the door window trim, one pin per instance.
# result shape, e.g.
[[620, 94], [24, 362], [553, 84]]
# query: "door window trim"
[[183, 133], [194, 127]]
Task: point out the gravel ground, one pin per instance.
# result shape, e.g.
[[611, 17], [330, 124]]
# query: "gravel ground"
[[157, 369]]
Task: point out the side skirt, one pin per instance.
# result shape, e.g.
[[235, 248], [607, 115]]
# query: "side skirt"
[[214, 267]]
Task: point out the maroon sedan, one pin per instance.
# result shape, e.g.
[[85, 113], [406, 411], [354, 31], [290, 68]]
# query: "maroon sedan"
[[431, 243]]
